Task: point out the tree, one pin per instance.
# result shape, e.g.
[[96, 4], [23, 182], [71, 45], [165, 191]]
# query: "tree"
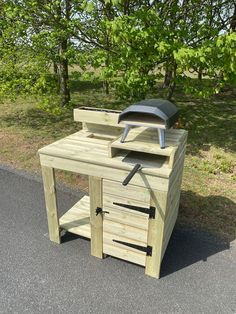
[[134, 44], [48, 28], [145, 37], [22, 71]]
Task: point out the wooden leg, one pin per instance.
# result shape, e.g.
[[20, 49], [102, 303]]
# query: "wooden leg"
[[155, 236], [96, 221], [155, 240], [51, 203]]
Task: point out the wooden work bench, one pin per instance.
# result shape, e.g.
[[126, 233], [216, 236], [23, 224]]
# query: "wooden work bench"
[[114, 228]]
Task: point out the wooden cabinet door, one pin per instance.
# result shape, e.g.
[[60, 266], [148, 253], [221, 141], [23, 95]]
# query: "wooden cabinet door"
[[124, 229]]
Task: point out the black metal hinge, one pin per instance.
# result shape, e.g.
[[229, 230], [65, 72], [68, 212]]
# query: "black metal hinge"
[[150, 211], [146, 249]]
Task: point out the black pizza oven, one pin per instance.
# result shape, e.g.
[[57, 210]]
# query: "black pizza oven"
[[153, 113]]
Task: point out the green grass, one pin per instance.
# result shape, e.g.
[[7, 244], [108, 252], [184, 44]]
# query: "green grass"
[[208, 191]]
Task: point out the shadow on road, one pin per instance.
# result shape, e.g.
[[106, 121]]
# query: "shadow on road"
[[188, 246]]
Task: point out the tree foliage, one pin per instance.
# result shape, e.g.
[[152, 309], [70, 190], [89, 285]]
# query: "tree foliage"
[[134, 45]]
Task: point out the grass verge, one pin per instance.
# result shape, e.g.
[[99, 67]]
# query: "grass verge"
[[208, 191]]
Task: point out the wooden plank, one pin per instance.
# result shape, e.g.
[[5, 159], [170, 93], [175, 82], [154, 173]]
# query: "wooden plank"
[[141, 146], [51, 203], [126, 231], [96, 221], [97, 156], [174, 208], [101, 130], [169, 229], [172, 212], [125, 254], [173, 199], [178, 168], [77, 219], [156, 235], [130, 191], [140, 179], [146, 140], [72, 151], [90, 139], [174, 191], [179, 150], [124, 218], [110, 202], [93, 115]]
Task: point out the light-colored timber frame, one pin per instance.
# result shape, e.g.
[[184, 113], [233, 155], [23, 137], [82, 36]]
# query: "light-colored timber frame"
[[163, 186]]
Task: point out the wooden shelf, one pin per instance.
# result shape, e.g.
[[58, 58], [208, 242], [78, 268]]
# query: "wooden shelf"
[[77, 220], [146, 140]]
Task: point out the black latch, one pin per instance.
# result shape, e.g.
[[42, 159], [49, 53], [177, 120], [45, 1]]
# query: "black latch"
[[100, 211], [150, 211], [146, 249]]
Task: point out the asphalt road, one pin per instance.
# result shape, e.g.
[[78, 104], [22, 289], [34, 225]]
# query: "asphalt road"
[[36, 276]]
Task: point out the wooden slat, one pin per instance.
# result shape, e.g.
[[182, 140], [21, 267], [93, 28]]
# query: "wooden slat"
[[72, 151], [77, 219], [178, 167], [156, 234], [90, 139], [96, 221], [126, 231], [128, 219], [101, 130], [132, 192], [174, 193], [109, 200], [51, 203], [169, 228], [179, 150], [118, 251], [140, 179], [93, 115], [140, 146], [96, 156]]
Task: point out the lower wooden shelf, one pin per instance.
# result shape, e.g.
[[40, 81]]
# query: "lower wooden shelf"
[[77, 220]]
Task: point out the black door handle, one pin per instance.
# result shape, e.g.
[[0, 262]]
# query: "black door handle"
[[131, 174]]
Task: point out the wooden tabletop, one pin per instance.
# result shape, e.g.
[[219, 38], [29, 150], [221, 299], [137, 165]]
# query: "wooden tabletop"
[[93, 149]]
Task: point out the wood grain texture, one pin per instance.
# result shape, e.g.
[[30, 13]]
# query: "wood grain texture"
[[156, 234], [77, 219], [86, 152], [90, 151], [83, 167], [51, 203], [96, 221], [93, 115]]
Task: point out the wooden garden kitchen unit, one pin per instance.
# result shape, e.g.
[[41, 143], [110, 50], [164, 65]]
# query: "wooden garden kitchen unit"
[[132, 222]]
